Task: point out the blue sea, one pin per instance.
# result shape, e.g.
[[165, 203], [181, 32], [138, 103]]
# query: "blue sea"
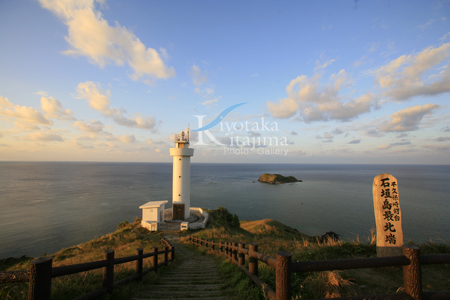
[[47, 206]]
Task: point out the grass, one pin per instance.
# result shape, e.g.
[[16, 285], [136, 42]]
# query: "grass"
[[125, 240], [273, 236]]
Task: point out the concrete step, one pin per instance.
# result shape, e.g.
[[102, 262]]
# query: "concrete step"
[[196, 278], [179, 294], [188, 281], [193, 276], [177, 298], [214, 273], [190, 287]]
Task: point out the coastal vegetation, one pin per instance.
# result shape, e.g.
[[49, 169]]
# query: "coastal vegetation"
[[277, 178], [271, 237], [124, 241]]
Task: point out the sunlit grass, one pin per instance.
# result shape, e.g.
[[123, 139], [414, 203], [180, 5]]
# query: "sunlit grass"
[[272, 236], [123, 241]]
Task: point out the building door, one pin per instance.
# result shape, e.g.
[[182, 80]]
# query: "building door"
[[178, 211]]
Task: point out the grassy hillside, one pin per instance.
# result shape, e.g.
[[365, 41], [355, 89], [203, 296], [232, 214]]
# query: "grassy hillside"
[[272, 236], [125, 240]]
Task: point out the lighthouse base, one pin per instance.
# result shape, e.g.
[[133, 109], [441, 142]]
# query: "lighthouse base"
[[198, 219]]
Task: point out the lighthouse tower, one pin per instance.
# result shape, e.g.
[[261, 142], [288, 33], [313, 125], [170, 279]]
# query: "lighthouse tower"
[[181, 183]]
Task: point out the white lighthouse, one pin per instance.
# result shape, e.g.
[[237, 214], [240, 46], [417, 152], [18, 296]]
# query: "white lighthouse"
[[181, 184]]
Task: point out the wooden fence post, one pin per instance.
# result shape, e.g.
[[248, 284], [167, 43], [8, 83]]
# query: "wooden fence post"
[[155, 259], [412, 275], [235, 244], [173, 253], [40, 279], [230, 252], [166, 255], [221, 248], [241, 255], [108, 271], [139, 262], [252, 262], [212, 245], [283, 275]]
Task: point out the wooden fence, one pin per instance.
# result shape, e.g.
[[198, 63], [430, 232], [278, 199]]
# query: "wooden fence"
[[411, 260], [41, 271]]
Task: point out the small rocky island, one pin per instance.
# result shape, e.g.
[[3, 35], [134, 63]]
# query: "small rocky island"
[[277, 178]]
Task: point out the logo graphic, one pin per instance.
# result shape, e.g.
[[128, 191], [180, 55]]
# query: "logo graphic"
[[243, 137], [219, 118]]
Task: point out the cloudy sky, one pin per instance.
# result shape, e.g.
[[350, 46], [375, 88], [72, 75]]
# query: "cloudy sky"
[[322, 81]]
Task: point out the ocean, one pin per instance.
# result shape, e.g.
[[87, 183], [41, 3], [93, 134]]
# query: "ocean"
[[47, 206]]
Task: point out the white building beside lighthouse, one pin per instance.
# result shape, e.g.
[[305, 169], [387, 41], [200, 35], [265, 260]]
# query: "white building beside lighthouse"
[[181, 182], [181, 216]]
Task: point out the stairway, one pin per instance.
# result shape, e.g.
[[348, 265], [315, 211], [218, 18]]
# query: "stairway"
[[195, 278]]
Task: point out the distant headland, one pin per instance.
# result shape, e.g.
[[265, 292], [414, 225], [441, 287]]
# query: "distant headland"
[[277, 178]]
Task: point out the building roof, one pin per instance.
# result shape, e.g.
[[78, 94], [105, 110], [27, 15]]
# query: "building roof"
[[154, 204]]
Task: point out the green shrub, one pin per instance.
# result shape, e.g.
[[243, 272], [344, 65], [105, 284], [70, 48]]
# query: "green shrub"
[[122, 224], [223, 218]]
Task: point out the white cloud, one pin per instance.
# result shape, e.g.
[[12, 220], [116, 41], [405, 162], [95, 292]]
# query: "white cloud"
[[401, 79], [355, 142], [210, 102], [315, 102], [90, 35], [438, 148], [22, 113], [152, 142], [42, 93], [327, 135], [337, 131], [128, 139], [198, 77], [409, 118], [445, 36], [43, 136], [324, 65], [426, 25], [98, 99], [53, 109], [26, 126], [443, 139], [93, 127], [81, 145]]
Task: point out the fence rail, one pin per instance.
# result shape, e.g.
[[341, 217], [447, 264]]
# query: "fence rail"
[[411, 260], [41, 271]]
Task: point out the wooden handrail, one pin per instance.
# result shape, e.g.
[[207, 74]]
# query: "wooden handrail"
[[352, 263], [411, 260], [41, 271], [77, 268]]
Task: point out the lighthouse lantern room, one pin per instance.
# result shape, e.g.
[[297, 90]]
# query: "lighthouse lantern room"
[[181, 184]]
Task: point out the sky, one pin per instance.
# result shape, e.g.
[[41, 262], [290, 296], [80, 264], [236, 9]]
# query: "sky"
[[359, 82]]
